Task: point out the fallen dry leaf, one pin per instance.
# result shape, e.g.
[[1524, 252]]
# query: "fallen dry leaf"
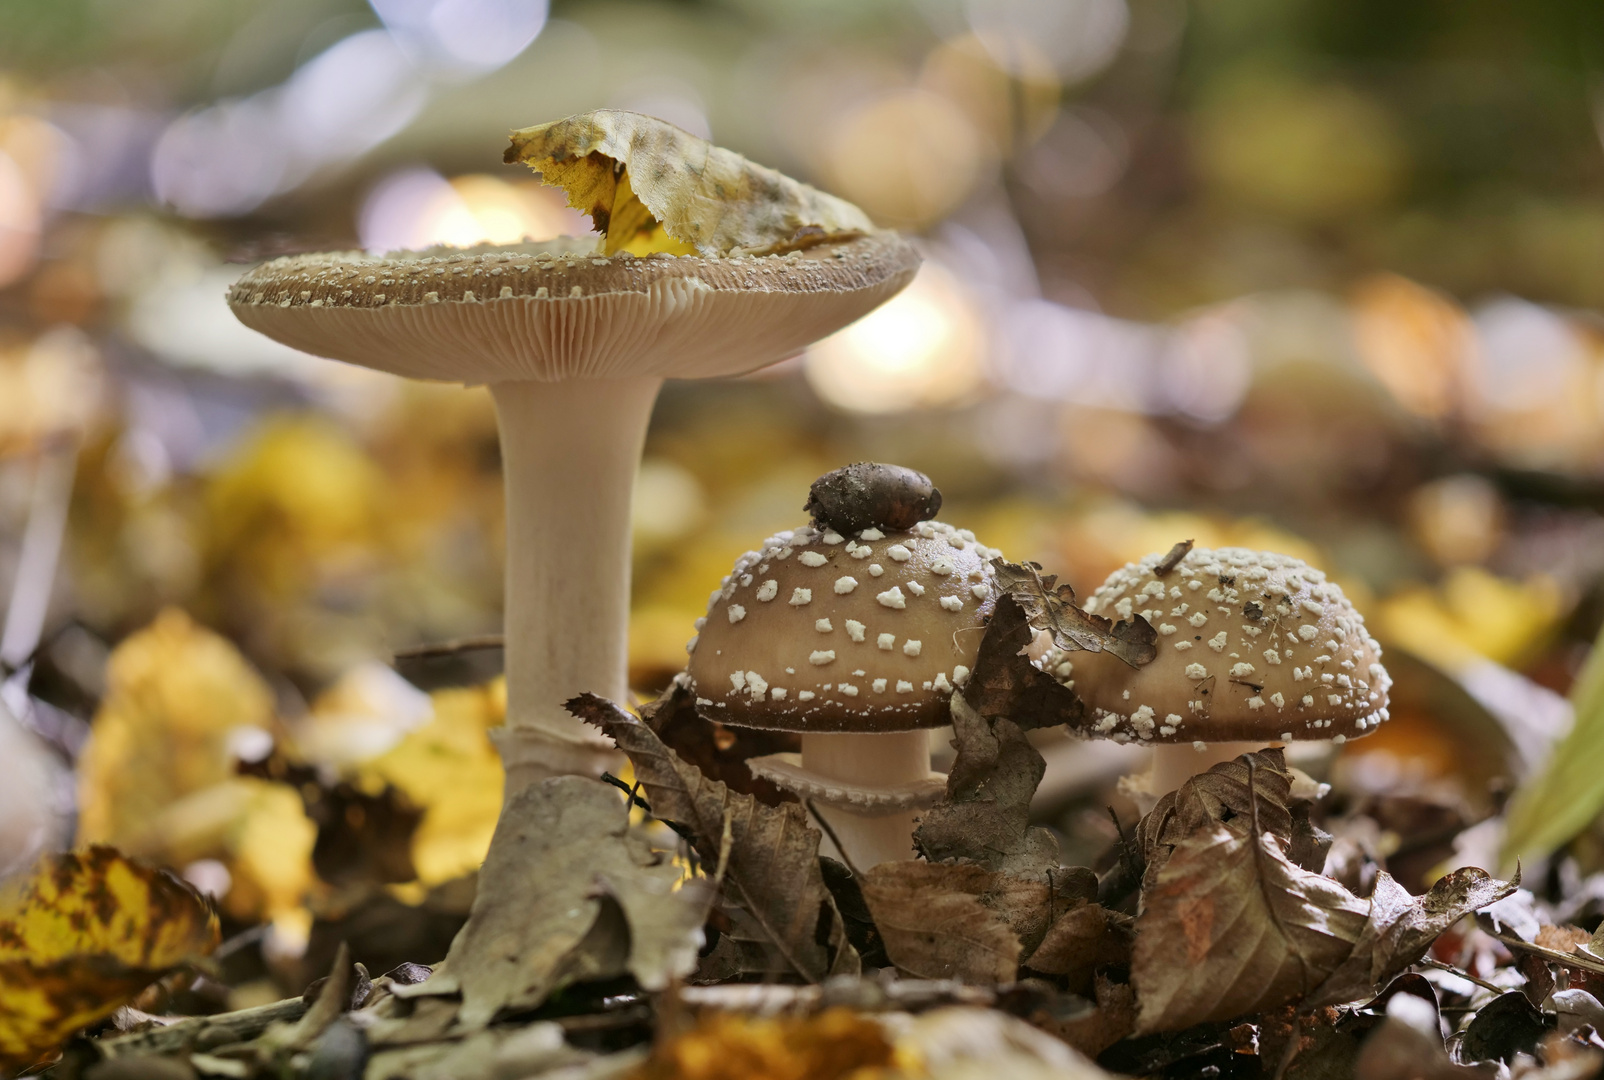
[[1216, 797], [81, 936], [1081, 940], [773, 855], [1051, 607], [986, 815], [1230, 925], [649, 186], [539, 919], [1401, 927], [954, 920], [837, 1044], [719, 752]]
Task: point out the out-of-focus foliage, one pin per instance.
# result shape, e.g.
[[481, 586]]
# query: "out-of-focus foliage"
[[1568, 794], [80, 936]]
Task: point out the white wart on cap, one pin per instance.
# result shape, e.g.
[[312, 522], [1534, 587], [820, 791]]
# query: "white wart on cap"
[[1252, 645], [820, 632]]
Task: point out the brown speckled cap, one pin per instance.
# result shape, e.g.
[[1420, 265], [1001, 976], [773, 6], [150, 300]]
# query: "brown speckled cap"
[[1251, 645], [552, 312], [820, 632]]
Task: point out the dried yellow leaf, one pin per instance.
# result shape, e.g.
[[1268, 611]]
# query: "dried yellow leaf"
[[83, 935], [835, 1045], [651, 187]]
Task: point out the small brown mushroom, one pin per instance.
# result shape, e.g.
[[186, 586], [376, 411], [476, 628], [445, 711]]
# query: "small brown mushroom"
[[856, 641], [1253, 648]]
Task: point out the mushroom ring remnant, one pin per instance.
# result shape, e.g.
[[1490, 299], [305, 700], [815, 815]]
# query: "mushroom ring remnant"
[[574, 343], [857, 642], [1252, 645]]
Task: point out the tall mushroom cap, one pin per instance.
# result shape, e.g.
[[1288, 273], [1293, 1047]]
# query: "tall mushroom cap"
[[1252, 646], [524, 312], [820, 632]]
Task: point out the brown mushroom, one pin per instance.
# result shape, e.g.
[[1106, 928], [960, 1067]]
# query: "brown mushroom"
[[1253, 648], [574, 344], [857, 642]]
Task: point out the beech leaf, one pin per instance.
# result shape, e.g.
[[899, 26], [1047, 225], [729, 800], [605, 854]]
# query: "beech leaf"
[[773, 868], [649, 186], [719, 752], [952, 920], [1230, 925], [569, 893], [83, 934], [1051, 607], [1217, 797], [986, 816], [1401, 927]]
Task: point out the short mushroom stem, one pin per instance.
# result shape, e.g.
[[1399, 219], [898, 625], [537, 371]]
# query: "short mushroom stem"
[[901, 757], [1176, 763], [569, 451]]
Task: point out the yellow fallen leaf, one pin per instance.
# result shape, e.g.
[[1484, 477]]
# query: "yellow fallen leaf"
[[157, 779], [651, 187], [835, 1045], [448, 768], [83, 935]]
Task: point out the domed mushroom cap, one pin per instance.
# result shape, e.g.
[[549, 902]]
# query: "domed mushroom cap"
[[1251, 645], [827, 633], [556, 312]]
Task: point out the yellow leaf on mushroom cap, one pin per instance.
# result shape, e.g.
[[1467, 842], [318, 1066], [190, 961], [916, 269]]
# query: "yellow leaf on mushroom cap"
[[83, 935], [651, 187]]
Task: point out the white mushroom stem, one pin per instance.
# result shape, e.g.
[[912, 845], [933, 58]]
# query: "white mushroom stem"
[[1176, 763], [569, 454], [873, 761]]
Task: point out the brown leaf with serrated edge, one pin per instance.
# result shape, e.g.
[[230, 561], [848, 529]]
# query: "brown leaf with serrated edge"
[[1401, 927], [1081, 940], [539, 918], [1216, 797], [650, 186], [1230, 926], [773, 871], [719, 752], [1051, 607], [986, 816], [81, 936], [953, 920]]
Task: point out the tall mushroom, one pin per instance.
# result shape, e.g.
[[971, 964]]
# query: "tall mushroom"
[[854, 632], [1253, 647], [574, 339]]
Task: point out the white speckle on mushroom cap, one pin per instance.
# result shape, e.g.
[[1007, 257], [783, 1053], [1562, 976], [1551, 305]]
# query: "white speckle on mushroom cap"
[[768, 590], [895, 613], [737, 613], [1265, 604], [899, 553]]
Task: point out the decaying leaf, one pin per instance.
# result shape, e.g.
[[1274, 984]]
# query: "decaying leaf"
[[837, 1044], [1230, 925], [986, 817], [1216, 797], [651, 187], [1006, 684], [1401, 927], [1051, 607], [954, 920], [81, 936], [773, 858], [541, 917], [719, 752], [1079, 941]]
